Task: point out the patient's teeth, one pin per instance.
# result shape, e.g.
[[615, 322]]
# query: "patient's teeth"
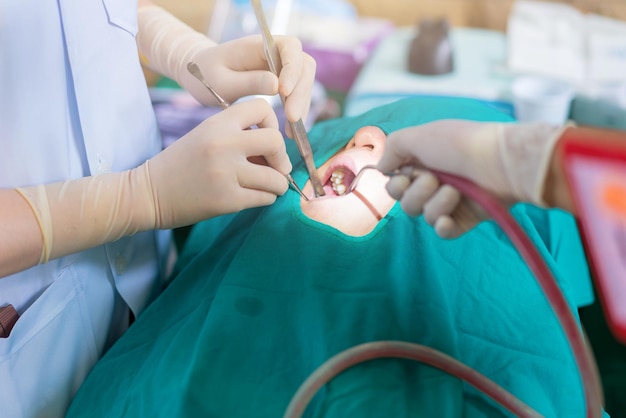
[[336, 178]]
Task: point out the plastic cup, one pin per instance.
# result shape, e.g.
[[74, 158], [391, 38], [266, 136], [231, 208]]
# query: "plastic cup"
[[540, 99]]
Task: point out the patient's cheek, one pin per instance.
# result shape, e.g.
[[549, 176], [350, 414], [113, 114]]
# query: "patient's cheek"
[[372, 208]]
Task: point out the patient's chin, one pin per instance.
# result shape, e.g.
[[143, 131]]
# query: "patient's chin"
[[346, 213]]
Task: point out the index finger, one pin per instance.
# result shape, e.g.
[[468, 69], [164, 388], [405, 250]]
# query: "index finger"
[[254, 112], [270, 144], [292, 58]]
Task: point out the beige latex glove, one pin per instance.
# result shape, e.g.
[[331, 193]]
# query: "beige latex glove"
[[204, 174], [510, 160], [235, 69]]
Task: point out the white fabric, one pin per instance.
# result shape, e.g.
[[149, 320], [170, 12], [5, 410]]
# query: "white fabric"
[[479, 71], [73, 102], [548, 39], [560, 41], [606, 60]]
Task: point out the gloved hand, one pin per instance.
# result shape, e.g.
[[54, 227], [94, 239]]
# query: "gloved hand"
[[204, 174], [235, 69], [510, 160]]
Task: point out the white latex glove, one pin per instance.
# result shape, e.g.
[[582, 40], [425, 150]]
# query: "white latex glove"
[[203, 174], [235, 69], [510, 160]]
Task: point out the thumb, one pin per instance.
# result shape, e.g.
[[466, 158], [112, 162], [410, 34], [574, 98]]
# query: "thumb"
[[397, 149]]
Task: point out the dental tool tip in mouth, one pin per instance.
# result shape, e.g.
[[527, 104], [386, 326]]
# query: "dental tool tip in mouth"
[[350, 188], [410, 172]]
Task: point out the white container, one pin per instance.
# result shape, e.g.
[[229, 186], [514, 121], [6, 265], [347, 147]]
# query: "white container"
[[541, 99]]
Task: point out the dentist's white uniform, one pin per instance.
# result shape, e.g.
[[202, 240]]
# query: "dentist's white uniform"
[[73, 102]]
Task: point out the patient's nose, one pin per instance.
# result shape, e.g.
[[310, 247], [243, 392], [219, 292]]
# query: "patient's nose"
[[371, 137]]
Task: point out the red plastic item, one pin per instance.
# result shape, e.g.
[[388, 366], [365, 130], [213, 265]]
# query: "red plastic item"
[[594, 163]]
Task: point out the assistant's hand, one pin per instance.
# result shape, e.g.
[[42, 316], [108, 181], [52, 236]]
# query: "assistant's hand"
[[235, 69], [509, 160]]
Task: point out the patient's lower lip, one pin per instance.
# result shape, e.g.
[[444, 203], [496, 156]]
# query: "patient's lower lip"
[[329, 193]]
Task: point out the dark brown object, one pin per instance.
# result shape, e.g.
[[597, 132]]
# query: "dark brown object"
[[8, 318], [430, 52]]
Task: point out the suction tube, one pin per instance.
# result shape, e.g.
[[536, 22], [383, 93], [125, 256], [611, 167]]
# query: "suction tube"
[[385, 349]]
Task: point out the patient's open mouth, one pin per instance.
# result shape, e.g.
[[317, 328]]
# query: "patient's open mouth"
[[340, 179]]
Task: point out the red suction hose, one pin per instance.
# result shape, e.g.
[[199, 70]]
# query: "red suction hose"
[[384, 349]]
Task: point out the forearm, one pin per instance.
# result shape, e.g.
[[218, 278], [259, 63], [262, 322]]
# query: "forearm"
[[53, 220], [557, 191], [20, 237], [166, 43]]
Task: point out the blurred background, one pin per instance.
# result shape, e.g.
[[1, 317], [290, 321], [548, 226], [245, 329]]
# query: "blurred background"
[[488, 14]]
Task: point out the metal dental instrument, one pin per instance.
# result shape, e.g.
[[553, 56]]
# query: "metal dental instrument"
[[193, 68], [408, 171], [302, 140]]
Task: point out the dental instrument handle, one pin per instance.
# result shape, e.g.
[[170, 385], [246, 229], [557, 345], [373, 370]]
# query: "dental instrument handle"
[[193, 68], [299, 132], [304, 148]]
